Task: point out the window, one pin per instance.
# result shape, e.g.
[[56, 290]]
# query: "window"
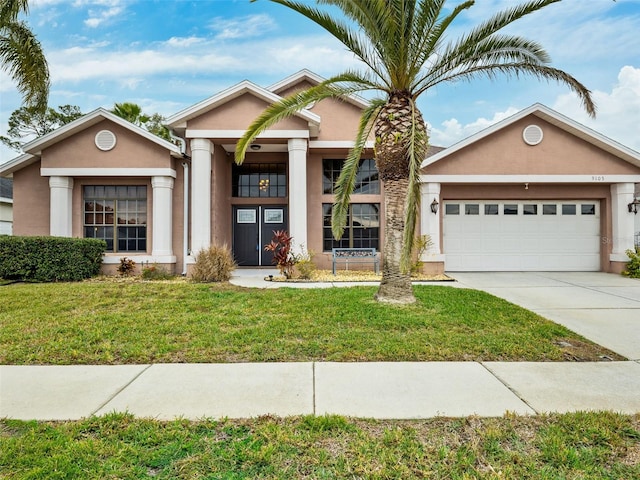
[[367, 178], [549, 209], [471, 209], [510, 209], [491, 209], [117, 215], [362, 229], [452, 209], [568, 209], [588, 209], [530, 209], [255, 180]]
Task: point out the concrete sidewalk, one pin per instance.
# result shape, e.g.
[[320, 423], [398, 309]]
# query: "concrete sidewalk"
[[376, 390]]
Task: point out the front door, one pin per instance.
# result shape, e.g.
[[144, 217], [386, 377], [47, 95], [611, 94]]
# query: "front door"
[[253, 228]]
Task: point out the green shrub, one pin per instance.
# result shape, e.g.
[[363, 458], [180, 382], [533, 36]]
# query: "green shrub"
[[304, 265], [633, 265], [213, 264], [421, 244], [156, 272], [50, 259]]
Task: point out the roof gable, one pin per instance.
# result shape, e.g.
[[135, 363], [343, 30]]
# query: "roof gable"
[[552, 117], [36, 146], [33, 149], [180, 119]]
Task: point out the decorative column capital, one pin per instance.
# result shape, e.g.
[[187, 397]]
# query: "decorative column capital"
[[61, 182], [162, 182], [201, 144], [299, 144]]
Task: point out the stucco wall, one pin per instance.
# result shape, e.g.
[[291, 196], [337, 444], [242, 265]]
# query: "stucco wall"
[[506, 153], [238, 113], [30, 202], [130, 151]]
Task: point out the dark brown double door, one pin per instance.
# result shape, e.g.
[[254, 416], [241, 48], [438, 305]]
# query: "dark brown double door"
[[253, 228]]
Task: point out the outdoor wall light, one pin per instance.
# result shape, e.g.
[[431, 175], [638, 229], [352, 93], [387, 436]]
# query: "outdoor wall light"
[[255, 147], [633, 206], [434, 206]]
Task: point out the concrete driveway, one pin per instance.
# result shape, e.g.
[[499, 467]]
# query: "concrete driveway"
[[603, 307]]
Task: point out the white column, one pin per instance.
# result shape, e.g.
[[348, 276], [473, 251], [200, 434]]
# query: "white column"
[[201, 156], [622, 221], [298, 192], [61, 195], [162, 236], [429, 221]]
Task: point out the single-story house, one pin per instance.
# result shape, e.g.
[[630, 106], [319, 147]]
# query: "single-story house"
[[6, 206], [536, 191]]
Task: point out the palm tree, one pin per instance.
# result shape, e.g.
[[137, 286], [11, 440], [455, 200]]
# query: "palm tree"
[[21, 55], [405, 50], [131, 112]]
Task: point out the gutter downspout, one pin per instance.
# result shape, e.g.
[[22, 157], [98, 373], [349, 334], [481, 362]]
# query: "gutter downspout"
[[185, 190], [185, 217]]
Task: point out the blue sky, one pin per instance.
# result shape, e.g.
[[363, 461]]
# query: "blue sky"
[[167, 55]]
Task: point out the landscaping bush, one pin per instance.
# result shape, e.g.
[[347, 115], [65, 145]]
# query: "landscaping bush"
[[50, 259], [156, 272], [127, 267], [213, 264], [633, 265]]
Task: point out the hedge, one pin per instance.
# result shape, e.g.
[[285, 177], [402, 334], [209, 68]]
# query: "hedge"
[[50, 259]]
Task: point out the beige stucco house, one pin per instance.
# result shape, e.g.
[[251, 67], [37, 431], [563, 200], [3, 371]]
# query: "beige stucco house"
[[536, 191]]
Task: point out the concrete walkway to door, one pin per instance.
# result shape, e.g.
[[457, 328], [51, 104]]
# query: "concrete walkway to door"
[[603, 307]]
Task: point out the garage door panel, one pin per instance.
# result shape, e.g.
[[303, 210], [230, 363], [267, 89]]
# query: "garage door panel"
[[536, 242]]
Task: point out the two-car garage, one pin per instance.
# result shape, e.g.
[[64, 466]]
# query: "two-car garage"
[[509, 235]]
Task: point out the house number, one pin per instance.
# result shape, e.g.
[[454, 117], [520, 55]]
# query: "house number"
[[597, 178]]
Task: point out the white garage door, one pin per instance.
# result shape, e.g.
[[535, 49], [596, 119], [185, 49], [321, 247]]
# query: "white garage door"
[[522, 235]]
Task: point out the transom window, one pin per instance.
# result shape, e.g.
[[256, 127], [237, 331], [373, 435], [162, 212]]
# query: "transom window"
[[362, 229], [367, 178], [255, 180], [118, 215]]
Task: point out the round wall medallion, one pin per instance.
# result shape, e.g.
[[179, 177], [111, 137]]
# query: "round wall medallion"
[[532, 135], [105, 140]]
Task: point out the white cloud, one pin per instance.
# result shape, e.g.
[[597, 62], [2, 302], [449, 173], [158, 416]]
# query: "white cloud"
[[242, 27], [183, 42], [453, 131], [618, 114]]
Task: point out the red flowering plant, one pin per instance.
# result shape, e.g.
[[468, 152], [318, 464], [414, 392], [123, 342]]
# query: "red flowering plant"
[[283, 257]]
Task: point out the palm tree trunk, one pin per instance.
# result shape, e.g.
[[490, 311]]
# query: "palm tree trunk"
[[395, 286], [392, 132]]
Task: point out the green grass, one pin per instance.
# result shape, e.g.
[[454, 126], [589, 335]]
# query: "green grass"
[[153, 322], [571, 446]]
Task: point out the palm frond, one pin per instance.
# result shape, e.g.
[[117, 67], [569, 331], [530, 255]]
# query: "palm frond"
[[350, 37], [21, 56], [347, 179]]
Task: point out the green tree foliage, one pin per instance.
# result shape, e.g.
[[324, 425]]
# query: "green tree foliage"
[[407, 47], [132, 112], [21, 55], [27, 123]]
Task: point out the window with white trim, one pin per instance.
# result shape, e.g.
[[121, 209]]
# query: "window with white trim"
[[116, 214]]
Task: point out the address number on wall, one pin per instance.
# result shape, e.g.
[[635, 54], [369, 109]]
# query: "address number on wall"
[[597, 178]]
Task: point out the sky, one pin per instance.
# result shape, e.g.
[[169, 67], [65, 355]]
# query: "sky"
[[166, 55]]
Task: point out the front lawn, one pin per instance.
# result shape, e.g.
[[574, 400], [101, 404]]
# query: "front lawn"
[[588, 446], [166, 322]]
